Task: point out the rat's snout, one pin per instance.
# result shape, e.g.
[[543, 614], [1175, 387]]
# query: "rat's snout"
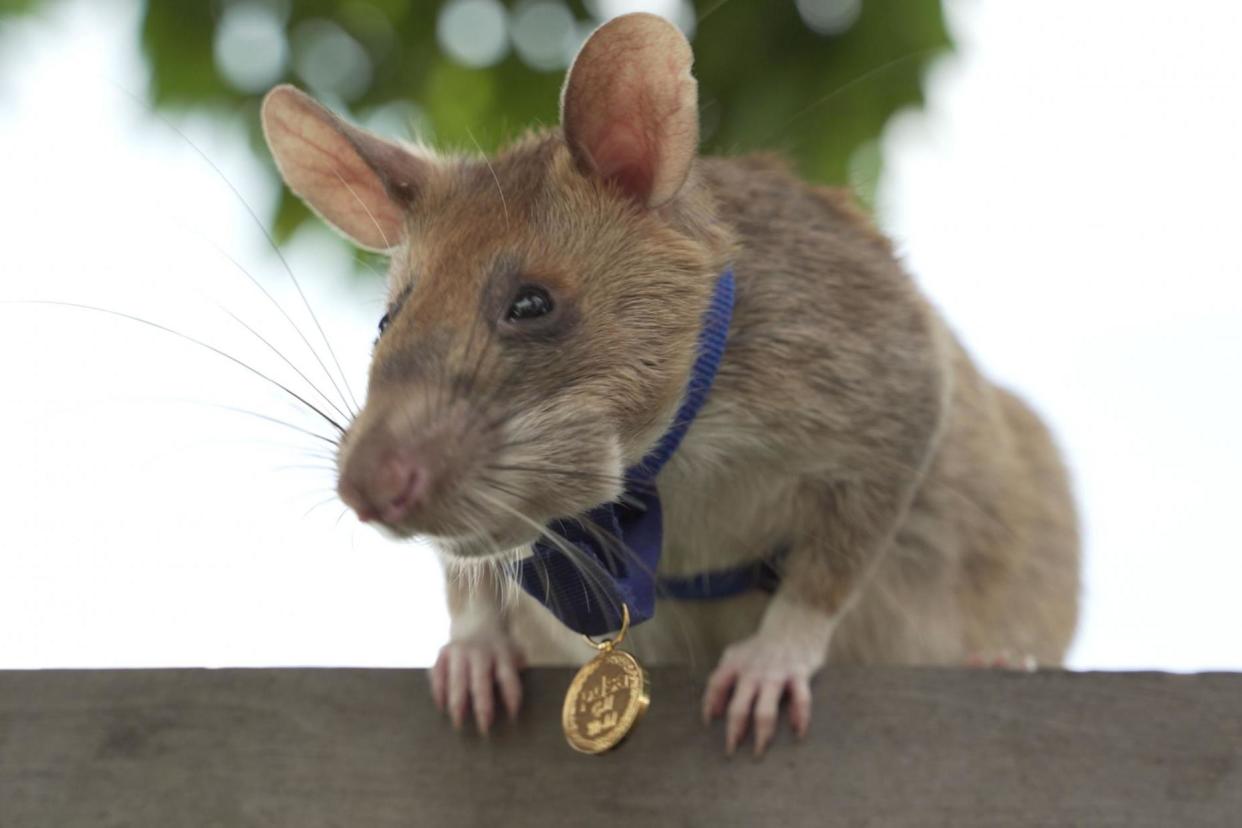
[[402, 460], [390, 490]]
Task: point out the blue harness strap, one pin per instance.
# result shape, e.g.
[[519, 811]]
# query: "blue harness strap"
[[578, 570], [763, 574]]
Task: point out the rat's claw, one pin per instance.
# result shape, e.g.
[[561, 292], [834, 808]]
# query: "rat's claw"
[[767, 706], [800, 706], [1003, 660], [739, 712], [439, 680], [466, 675], [482, 689], [510, 683], [717, 694], [458, 686], [761, 671]]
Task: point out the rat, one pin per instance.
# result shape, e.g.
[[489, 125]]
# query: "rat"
[[544, 307]]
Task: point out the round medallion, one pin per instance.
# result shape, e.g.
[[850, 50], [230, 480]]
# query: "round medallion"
[[605, 699]]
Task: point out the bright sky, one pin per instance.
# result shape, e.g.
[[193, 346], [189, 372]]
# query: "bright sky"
[[1068, 198]]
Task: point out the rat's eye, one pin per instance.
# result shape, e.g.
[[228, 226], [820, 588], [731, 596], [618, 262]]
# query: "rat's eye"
[[531, 302], [394, 308]]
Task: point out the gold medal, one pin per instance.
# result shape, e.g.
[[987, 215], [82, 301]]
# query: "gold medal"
[[607, 696]]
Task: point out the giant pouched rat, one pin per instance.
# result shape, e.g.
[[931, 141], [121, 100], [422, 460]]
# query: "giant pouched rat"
[[544, 310]]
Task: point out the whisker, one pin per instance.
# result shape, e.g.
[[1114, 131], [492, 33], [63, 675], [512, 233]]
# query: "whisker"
[[275, 421], [501, 487], [286, 360], [387, 244], [850, 84], [258, 223], [250, 413], [187, 338], [590, 570], [641, 486], [476, 525], [292, 324], [307, 513], [711, 10], [613, 546], [495, 178], [591, 527], [304, 467]]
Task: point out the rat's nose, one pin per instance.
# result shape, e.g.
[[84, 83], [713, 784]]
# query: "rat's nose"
[[403, 484], [390, 492]]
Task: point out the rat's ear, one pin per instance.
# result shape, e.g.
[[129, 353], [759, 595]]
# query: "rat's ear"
[[359, 183], [630, 107]]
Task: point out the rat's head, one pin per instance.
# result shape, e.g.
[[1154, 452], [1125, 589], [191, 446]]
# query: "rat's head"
[[544, 305]]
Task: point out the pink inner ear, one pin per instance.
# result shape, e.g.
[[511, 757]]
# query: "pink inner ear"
[[623, 156], [630, 107], [319, 158]]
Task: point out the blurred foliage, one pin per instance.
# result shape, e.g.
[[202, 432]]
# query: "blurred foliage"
[[766, 79], [15, 7]]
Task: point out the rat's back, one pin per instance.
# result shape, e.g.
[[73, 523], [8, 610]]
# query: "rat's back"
[[985, 562]]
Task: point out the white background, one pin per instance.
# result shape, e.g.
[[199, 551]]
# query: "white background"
[[1068, 197]]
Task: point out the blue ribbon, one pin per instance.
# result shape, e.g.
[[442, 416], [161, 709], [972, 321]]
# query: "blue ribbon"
[[586, 591]]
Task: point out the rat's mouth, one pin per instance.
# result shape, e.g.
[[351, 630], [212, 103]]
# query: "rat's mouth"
[[472, 496]]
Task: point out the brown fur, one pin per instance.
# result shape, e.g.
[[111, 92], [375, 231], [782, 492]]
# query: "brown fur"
[[927, 511], [847, 420]]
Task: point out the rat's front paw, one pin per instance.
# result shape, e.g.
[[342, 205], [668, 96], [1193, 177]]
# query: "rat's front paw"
[[469, 670], [781, 658], [759, 675], [1003, 660]]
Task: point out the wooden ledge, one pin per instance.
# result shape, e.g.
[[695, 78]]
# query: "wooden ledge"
[[366, 748]]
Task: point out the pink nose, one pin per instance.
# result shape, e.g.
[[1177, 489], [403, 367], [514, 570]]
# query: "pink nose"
[[390, 492]]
